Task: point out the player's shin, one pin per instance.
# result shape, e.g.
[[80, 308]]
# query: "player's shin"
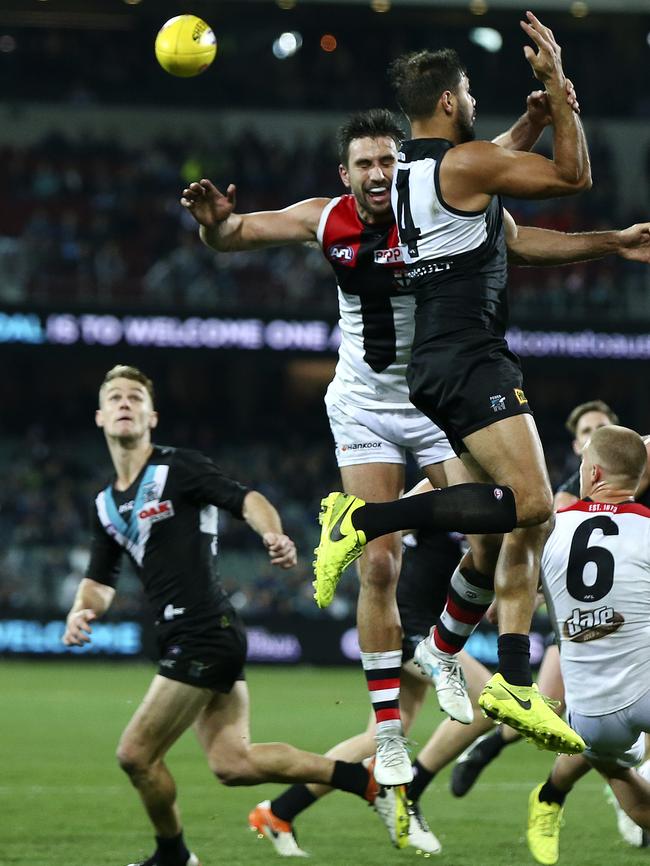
[[470, 594], [469, 508], [382, 669]]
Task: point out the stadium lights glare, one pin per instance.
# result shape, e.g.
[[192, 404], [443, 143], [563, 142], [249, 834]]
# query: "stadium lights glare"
[[287, 44], [478, 7], [286, 4], [7, 44], [487, 38], [328, 42], [380, 5], [579, 9]]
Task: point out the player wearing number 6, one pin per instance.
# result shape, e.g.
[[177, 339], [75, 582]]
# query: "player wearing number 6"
[[596, 577]]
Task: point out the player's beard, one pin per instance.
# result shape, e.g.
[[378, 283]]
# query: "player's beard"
[[465, 129]]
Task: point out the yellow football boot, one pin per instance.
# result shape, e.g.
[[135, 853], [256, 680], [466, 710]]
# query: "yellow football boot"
[[530, 713], [340, 544], [543, 833]]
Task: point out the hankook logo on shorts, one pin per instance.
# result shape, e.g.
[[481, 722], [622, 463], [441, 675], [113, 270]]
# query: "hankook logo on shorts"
[[357, 446], [584, 625]]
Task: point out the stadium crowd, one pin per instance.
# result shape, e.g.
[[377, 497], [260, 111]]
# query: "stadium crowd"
[[97, 222]]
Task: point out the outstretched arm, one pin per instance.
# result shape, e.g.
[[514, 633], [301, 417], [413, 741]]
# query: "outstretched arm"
[[224, 230], [525, 132], [91, 601], [528, 245], [265, 520], [473, 172]]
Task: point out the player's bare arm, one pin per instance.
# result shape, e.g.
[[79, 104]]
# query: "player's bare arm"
[[91, 601], [226, 231], [263, 517], [526, 130], [472, 172], [528, 245]]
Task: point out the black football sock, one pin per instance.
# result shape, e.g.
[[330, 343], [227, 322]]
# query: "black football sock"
[[353, 778], [292, 802], [172, 852], [550, 794], [514, 659], [421, 778], [468, 508]]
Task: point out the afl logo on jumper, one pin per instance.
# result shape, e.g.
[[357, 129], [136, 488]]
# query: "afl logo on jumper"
[[341, 254], [156, 511]]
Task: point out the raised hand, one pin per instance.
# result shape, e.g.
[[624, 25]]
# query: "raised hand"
[[538, 108], [546, 63], [207, 204]]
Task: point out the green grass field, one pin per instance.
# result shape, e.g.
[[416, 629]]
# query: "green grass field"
[[63, 800]]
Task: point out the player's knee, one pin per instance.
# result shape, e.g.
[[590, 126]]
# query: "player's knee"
[[232, 770], [131, 760], [379, 567], [534, 507], [534, 537]]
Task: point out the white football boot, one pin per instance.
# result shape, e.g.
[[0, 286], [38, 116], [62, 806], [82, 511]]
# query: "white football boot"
[[392, 760], [447, 674]]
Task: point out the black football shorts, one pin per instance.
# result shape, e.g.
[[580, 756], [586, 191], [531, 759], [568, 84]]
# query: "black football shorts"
[[466, 380], [207, 656]]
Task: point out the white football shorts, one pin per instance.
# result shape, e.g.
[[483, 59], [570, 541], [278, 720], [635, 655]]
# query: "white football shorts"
[[615, 738], [385, 435]]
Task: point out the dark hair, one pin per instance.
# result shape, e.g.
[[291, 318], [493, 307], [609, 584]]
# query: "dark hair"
[[124, 371], [419, 80], [576, 414], [375, 123]]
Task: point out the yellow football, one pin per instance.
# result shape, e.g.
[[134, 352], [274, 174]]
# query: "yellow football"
[[185, 46]]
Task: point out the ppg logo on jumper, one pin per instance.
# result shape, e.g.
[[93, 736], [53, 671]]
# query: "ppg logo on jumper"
[[388, 257], [340, 253]]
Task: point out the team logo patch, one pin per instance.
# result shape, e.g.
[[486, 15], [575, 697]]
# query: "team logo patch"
[[521, 397], [150, 491], [156, 511], [341, 254], [497, 403], [585, 625], [197, 669], [388, 257]]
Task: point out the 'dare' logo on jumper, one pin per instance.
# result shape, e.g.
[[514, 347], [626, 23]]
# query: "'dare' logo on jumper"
[[585, 625], [342, 254]]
